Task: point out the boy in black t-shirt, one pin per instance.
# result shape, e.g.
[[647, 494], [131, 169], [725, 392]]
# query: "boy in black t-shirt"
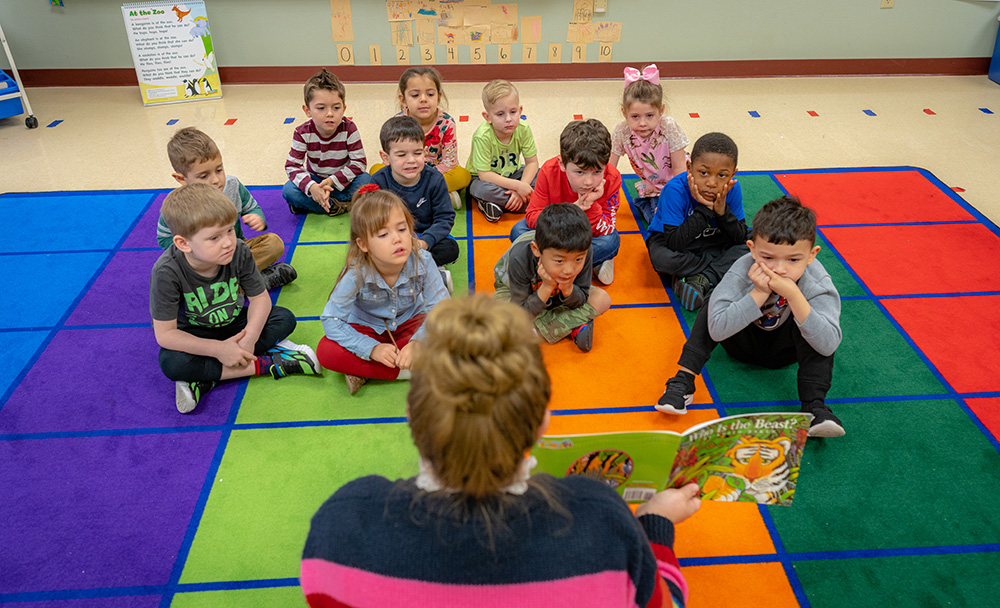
[[205, 332]]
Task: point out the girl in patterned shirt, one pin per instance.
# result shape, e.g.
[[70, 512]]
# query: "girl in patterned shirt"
[[654, 143]]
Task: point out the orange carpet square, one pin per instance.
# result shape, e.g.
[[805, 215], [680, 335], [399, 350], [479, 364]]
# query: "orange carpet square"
[[739, 585], [635, 352], [723, 528]]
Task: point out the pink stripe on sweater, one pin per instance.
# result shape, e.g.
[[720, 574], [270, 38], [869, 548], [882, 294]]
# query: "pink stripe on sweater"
[[364, 589], [673, 574]]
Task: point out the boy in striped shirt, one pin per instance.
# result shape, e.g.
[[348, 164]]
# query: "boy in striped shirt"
[[327, 163]]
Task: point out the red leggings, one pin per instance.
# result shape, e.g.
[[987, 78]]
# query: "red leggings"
[[335, 357]]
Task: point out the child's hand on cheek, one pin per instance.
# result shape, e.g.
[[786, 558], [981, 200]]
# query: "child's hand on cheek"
[[701, 200], [547, 280], [586, 199], [386, 354], [719, 206], [761, 281]]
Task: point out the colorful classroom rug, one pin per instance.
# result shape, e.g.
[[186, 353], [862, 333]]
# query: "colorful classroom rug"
[[110, 498]]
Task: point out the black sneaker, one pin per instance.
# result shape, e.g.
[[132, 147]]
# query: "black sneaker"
[[188, 394], [278, 275], [583, 337], [492, 211], [824, 423], [288, 358], [692, 291], [297, 210], [678, 394]]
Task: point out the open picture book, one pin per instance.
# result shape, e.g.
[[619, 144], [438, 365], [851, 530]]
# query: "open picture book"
[[745, 458]]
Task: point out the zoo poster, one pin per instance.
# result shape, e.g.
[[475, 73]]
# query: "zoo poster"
[[747, 458], [172, 50]]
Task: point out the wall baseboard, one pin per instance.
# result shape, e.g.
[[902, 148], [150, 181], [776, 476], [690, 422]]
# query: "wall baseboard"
[[957, 66]]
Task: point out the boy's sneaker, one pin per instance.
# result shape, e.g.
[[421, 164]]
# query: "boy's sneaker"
[[492, 211], [278, 275], [692, 291], [824, 423], [287, 358], [605, 272], [446, 276], [297, 210], [583, 337], [354, 383], [456, 200], [337, 207], [188, 394], [678, 394]]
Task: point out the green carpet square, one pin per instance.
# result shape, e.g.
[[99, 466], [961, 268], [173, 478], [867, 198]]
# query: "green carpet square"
[[926, 581], [269, 485], [324, 229], [757, 191], [318, 267], [303, 398], [906, 474], [274, 597], [873, 360]]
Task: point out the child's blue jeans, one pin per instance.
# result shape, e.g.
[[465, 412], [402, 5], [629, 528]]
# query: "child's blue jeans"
[[300, 202]]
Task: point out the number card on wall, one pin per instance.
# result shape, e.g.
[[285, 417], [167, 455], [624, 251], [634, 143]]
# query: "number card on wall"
[[555, 53], [374, 54], [503, 53], [427, 54], [604, 52], [345, 54], [528, 52], [478, 53], [451, 53], [402, 55], [579, 53]]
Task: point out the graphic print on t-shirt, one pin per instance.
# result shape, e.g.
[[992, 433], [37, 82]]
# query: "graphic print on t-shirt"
[[215, 308]]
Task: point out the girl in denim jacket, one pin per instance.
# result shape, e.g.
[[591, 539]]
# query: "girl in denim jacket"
[[373, 319]]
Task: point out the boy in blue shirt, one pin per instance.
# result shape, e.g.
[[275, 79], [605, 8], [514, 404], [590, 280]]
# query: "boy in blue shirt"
[[699, 228], [424, 192]]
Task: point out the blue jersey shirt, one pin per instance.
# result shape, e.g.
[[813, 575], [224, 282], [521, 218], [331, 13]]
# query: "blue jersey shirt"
[[676, 204]]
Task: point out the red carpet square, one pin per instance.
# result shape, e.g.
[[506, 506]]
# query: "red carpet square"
[[988, 412], [960, 336], [873, 197], [944, 258]]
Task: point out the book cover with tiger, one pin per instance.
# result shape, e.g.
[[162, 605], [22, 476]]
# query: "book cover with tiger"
[[745, 458]]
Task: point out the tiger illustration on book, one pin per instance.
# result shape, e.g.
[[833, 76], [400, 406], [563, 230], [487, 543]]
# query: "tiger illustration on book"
[[762, 467]]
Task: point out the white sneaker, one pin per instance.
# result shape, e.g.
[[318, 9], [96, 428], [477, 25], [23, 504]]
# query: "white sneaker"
[[456, 200], [446, 276], [606, 272]]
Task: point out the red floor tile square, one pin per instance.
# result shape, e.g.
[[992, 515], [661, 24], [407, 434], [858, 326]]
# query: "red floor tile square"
[[872, 197], [941, 258], [960, 336]]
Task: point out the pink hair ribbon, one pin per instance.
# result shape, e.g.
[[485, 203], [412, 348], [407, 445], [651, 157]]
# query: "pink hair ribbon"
[[650, 73]]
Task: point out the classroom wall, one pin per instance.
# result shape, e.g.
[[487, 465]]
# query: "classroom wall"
[[91, 34]]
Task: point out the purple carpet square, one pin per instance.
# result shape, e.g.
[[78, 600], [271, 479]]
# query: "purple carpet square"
[[279, 219], [128, 601], [121, 292], [91, 512], [96, 379], [144, 233]]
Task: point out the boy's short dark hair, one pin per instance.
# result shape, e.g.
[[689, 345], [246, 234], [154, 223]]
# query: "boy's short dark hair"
[[400, 128], [586, 144], [189, 146], [190, 208], [563, 226], [323, 80], [715, 143], [784, 221]]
